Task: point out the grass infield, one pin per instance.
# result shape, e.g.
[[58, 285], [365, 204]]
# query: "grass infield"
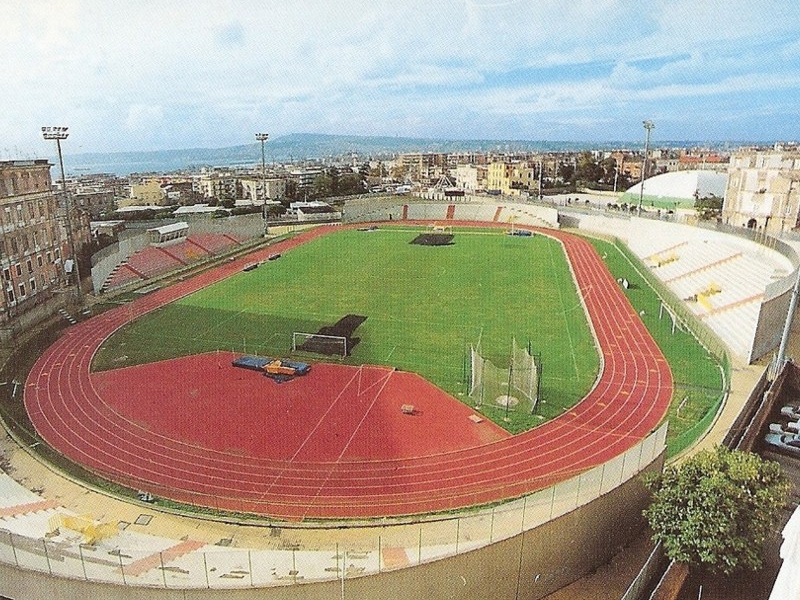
[[424, 305]]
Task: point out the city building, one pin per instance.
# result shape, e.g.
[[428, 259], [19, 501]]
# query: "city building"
[[255, 190], [217, 185], [147, 192], [762, 191], [33, 242], [305, 177], [315, 210], [499, 177], [471, 178], [512, 178]]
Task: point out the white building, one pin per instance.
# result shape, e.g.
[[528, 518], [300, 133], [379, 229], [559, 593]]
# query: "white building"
[[256, 190]]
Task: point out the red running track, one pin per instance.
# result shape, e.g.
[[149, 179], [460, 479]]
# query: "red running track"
[[629, 399]]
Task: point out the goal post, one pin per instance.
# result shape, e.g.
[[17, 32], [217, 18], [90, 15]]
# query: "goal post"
[[316, 343]]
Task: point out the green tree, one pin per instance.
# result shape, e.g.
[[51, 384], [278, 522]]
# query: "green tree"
[[291, 193], [566, 172], [588, 170], [716, 510], [708, 208]]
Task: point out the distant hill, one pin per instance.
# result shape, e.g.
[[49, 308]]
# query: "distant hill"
[[307, 146]]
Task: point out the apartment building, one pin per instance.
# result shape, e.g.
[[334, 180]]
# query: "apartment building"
[[471, 178], [255, 189], [96, 194], [146, 192], [762, 191], [32, 238], [512, 178], [217, 185]]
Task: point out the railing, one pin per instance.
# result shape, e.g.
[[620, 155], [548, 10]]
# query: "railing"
[[134, 559], [652, 566]]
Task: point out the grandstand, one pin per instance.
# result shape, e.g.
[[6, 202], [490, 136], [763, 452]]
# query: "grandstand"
[[154, 261], [722, 278], [364, 211]]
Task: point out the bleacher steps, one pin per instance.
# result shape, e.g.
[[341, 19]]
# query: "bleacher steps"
[[70, 319]]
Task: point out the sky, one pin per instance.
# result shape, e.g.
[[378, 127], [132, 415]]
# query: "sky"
[[164, 74]]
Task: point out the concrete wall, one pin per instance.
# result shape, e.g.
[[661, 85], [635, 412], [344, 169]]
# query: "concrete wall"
[[528, 566]]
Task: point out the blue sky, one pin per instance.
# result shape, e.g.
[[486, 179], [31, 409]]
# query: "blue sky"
[[160, 74]]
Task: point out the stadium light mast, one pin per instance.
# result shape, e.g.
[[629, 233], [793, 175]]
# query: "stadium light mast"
[[263, 137], [648, 127], [58, 134], [541, 168]]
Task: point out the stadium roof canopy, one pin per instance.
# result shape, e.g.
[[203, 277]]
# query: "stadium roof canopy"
[[678, 189]]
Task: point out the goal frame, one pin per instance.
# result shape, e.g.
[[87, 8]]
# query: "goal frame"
[[300, 337]]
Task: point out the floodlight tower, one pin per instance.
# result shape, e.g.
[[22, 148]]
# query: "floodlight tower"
[[58, 134], [263, 137], [648, 127]]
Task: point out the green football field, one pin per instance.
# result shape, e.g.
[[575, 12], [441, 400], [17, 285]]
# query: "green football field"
[[424, 307]]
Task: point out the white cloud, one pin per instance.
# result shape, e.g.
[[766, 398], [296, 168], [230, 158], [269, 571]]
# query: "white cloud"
[[142, 117], [173, 72]]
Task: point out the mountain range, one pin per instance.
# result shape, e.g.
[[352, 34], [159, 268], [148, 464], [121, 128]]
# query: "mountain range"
[[300, 147]]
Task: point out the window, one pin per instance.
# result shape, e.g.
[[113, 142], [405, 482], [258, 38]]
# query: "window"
[[30, 266], [7, 274], [21, 290], [11, 297], [33, 285], [39, 261], [18, 269]]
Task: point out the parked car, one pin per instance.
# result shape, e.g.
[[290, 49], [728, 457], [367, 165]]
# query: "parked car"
[[789, 443], [791, 428], [791, 412]]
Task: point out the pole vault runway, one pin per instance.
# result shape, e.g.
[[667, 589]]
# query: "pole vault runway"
[[73, 410]]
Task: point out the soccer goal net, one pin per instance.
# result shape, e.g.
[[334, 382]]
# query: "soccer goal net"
[[329, 345], [514, 388]]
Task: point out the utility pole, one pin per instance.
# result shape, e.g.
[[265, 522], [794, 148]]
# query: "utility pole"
[[648, 127], [541, 168], [263, 137], [58, 134]]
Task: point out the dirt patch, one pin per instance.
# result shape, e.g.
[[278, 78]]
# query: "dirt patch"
[[507, 401]]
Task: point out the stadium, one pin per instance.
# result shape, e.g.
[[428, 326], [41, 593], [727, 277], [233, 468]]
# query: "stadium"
[[444, 441]]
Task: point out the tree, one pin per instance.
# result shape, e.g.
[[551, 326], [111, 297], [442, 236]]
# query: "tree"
[[709, 208], [588, 170], [716, 510], [567, 172], [291, 193]]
